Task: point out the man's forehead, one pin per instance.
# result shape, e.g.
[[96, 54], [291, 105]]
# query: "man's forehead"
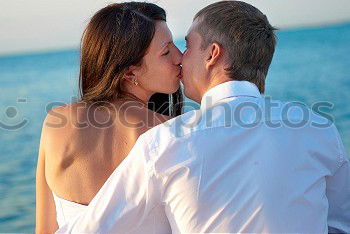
[[189, 32], [191, 29]]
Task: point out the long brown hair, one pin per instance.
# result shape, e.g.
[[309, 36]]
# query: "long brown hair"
[[116, 38]]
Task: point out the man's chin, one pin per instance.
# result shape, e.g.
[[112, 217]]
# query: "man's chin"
[[187, 94]]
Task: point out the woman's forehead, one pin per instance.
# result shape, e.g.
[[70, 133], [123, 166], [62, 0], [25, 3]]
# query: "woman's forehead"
[[162, 36]]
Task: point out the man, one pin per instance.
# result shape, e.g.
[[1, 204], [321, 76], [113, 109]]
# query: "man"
[[236, 164]]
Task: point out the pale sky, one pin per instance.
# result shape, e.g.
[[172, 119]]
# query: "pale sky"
[[40, 25]]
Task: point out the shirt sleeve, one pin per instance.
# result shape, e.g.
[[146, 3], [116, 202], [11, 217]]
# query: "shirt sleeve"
[[338, 193], [124, 200]]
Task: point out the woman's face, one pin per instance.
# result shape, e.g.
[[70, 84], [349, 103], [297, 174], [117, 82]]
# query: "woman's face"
[[160, 69]]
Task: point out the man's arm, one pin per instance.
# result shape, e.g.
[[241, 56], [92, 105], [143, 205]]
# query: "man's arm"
[[124, 200], [338, 194]]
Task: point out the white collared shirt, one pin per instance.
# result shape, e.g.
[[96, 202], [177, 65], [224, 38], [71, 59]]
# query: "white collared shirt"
[[238, 164]]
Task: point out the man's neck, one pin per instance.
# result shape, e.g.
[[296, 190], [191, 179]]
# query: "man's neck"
[[215, 82]]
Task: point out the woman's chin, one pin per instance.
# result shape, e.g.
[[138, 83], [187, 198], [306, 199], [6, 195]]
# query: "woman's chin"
[[171, 89], [176, 87]]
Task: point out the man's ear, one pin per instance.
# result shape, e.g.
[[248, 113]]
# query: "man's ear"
[[214, 53]]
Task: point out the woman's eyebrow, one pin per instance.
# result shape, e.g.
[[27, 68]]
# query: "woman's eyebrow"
[[164, 44]]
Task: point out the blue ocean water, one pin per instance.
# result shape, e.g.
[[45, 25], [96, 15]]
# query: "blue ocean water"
[[309, 66]]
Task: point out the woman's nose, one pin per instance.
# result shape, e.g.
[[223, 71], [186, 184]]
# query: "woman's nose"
[[178, 56]]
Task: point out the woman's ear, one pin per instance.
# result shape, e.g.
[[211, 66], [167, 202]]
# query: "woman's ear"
[[131, 74], [213, 55]]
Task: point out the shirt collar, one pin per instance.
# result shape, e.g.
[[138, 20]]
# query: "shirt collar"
[[228, 89]]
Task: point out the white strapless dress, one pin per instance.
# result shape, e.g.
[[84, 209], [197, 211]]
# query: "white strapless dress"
[[157, 223]]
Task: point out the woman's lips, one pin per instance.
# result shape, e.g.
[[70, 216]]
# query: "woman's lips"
[[180, 74]]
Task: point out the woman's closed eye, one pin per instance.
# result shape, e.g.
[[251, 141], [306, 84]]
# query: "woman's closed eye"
[[166, 53]]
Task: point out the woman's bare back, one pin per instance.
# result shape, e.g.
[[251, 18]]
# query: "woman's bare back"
[[84, 145]]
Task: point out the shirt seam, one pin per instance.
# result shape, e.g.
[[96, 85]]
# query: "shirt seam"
[[152, 174], [340, 156], [156, 146]]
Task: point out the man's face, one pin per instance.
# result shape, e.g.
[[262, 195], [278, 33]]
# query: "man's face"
[[193, 65]]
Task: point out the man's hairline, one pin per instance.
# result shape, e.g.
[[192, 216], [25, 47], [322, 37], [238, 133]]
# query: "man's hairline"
[[195, 29]]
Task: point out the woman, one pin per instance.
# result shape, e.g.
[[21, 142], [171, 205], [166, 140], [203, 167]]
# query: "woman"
[[129, 71]]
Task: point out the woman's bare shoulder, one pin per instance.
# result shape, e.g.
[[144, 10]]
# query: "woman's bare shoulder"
[[61, 115], [76, 116], [62, 130]]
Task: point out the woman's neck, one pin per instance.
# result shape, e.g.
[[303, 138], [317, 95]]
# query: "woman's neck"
[[139, 94]]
